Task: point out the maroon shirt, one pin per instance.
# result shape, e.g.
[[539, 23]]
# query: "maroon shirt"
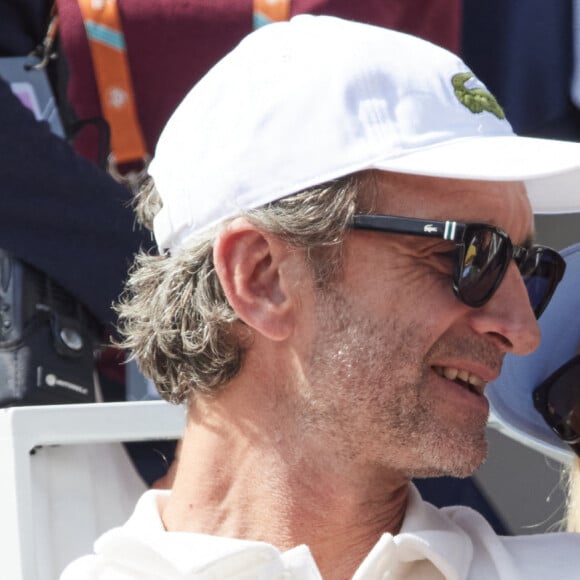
[[172, 43]]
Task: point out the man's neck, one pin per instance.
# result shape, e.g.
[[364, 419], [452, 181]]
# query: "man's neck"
[[234, 481]]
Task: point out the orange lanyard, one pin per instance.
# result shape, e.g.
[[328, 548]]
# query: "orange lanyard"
[[266, 11], [113, 77], [109, 55]]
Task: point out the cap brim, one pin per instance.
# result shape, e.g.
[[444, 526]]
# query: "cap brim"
[[512, 409], [549, 168]]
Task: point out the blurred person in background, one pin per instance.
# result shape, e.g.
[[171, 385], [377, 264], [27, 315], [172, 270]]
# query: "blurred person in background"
[[537, 397]]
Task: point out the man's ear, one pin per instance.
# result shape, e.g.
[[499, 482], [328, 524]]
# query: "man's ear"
[[252, 266]]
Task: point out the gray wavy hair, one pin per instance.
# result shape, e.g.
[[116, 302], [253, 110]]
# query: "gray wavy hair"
[[174, 316]]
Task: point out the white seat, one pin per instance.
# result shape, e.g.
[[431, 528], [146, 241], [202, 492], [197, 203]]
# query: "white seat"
[[66, 478]]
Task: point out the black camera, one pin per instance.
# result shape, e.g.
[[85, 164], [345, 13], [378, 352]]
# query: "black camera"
[[48, 339]]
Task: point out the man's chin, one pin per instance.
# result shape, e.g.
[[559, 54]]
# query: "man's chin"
[[459, 462]]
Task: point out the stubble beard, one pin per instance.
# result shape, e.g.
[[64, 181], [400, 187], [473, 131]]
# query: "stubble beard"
[[370, 397]]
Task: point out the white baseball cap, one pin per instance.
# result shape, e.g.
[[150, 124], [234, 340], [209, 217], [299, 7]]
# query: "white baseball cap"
[[299, 103], [510, 396]]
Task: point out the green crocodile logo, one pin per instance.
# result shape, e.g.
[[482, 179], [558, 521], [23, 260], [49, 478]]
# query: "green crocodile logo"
[[476, 100]]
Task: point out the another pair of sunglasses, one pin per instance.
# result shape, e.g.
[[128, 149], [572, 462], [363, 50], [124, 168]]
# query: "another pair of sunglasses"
[[484, 253], [557, 399]]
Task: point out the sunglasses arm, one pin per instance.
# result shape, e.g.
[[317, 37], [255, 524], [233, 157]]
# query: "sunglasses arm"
[[447, 230]]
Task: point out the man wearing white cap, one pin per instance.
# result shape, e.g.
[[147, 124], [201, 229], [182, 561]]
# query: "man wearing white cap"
[[345, 259]]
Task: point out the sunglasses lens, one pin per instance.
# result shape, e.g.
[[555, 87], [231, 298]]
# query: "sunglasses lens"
[[542, 269], [561, 405], [484, 263]]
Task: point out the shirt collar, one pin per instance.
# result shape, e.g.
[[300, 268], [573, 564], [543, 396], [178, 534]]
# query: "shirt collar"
[[428, 541], [427, 537], [143, 543]]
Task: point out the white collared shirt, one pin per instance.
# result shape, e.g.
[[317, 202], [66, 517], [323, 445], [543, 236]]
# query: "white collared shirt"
[[434, 544]]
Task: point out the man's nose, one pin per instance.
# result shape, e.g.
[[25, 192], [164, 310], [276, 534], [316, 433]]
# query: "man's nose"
[[509, 316]]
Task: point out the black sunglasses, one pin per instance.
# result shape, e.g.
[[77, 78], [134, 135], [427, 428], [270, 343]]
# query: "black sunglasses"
[[557, 399], [483, 256]]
